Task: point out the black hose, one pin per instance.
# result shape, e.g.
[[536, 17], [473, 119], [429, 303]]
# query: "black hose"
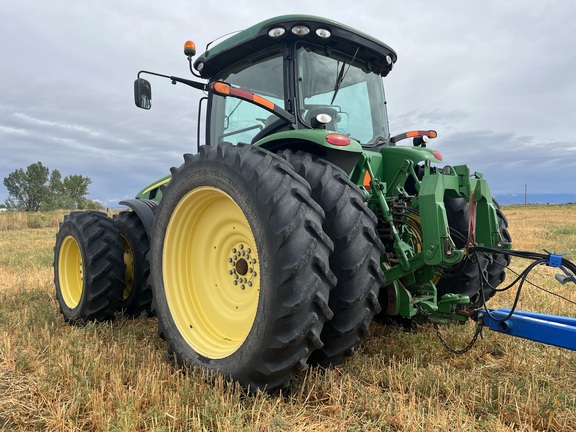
[[538, 258]]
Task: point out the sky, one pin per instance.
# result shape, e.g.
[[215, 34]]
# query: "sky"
[[496, 80]]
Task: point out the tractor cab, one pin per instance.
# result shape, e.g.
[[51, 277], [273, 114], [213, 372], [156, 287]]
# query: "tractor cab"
[[296, 73], [323, 74]]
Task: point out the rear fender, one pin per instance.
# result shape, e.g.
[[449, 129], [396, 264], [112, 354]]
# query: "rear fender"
[[314, 141], [144, 208]]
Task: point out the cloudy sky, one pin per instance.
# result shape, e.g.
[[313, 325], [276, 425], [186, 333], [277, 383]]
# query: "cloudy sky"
[[496, 79]]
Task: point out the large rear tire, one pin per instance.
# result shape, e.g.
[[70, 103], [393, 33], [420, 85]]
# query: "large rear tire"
[[351, 226], [137, 295], [239, 266], [88, 267]]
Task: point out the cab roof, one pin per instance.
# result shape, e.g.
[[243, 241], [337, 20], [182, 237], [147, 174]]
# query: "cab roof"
[[256, 39]]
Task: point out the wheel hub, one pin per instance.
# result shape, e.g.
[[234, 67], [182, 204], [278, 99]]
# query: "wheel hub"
[[243, 264]]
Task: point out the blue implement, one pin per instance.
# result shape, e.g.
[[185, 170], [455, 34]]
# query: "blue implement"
[[554, 330]]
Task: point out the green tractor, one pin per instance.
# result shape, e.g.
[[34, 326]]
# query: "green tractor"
[[275, 245]]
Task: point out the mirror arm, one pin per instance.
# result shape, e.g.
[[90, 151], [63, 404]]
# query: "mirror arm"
[[194, 84]]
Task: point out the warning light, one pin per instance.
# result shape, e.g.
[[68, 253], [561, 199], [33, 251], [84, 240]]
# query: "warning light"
[[190, 49]]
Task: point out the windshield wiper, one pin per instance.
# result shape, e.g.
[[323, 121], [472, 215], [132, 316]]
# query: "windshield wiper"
[[342, 75], [227, 117]]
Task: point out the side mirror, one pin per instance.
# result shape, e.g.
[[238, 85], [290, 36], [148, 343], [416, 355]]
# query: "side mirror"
[[143, 93]]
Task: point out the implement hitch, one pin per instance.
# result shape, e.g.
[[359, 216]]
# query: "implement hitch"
[[553, 330], [549, 329]]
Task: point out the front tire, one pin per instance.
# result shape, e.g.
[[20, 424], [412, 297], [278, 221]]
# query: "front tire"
[[239, 266], [88, 267]]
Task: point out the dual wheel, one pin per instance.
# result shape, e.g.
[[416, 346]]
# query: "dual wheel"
[[259, 264], [262, 264], [100, 266]]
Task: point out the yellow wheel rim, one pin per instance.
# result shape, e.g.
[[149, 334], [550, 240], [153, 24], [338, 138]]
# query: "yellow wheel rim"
[[70, 272], [129, 261], [211, 272]]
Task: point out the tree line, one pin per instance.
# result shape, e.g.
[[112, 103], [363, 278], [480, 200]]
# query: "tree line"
[[39, 189]]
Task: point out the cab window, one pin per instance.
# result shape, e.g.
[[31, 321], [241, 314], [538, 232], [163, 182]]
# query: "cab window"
[[236, 120], [346, 89]]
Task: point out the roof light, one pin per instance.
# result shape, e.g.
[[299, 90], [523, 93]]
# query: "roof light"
[[200, 66], [189, 49], [388, 59], [437, 155], [300, 30], [338, 139], [323, 33], [276, 32]]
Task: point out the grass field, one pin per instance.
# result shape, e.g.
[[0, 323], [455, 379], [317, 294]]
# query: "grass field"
[[117, 377]]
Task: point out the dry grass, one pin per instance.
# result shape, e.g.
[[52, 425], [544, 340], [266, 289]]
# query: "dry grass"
[[116, 376], [10, 221]]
